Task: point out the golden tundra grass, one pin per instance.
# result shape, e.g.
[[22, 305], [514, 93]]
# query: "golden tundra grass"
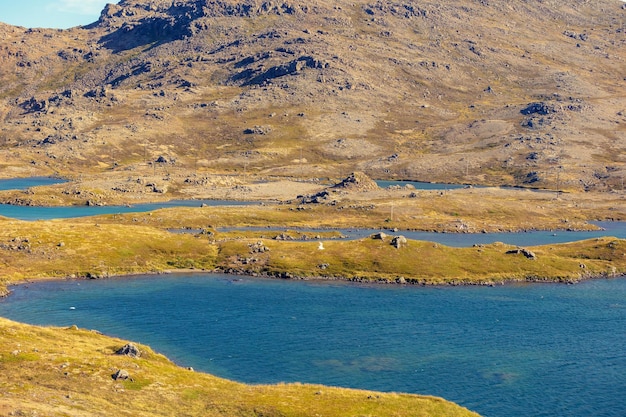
[[68, 372], [431, 263], [462, 210], [31, 250], [35, 250]]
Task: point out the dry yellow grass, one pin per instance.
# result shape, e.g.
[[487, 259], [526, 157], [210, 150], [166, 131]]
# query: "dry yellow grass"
[[426, 262], [36, 250], [460, 210], [32, 250]]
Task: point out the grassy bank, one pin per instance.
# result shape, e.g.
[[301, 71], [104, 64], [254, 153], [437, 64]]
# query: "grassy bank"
[[427, 263], [68, 371], [38, 250]]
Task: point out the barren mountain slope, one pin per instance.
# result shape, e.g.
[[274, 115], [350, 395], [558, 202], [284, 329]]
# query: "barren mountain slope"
[[494, 92]]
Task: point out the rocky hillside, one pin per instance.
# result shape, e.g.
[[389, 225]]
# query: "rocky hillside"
[[520, 92]]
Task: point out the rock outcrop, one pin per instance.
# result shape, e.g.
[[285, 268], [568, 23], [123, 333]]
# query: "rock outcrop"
[[129, 349], [357, 181], [526, 252], [121, 375], [399, 242]]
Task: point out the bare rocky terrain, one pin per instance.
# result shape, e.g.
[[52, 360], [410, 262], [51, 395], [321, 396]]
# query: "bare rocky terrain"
[[159, 96]]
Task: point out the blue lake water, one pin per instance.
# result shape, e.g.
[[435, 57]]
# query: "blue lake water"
[[48, 213], [24, 183], [512, 350], [420, 185], [531, 238]]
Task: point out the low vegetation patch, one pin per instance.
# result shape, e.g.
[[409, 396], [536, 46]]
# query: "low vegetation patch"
[[420, 262], [45, 249]]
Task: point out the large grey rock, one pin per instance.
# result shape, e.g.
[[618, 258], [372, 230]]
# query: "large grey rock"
[[381, 236], [121, 375], [398, 242], [129, 349], [527, 253]]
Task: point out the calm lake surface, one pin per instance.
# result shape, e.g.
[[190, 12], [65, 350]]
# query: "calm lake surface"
[[512, 350], [419, 185], [24, 183], [65, 212], [531, 238]]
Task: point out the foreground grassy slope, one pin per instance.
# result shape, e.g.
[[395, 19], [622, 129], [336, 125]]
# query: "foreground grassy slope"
[[62, 372]]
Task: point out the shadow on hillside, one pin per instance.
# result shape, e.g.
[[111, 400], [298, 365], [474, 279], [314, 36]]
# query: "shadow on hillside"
[[149, 31]]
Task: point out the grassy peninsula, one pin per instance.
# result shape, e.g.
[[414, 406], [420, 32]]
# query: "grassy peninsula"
[[74, 249]]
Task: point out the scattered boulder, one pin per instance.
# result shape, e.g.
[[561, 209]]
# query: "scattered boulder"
[[527, 253], [33, 105], [381, 236], [258, 247], [538, 108], [577, 36], [159, 189], [399, 242], [257, 130], [121, 375], [129, 349], [283, 236], [318, 198]]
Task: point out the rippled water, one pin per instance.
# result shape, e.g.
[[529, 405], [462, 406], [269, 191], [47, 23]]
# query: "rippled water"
[[513, 350]]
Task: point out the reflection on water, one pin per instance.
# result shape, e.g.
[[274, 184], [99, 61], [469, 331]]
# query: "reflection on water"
[[512, 350]]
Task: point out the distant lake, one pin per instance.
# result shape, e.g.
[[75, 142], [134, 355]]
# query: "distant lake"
[[64, 212], [25, 183], [531, 238], [539, 350], [420, 185]]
